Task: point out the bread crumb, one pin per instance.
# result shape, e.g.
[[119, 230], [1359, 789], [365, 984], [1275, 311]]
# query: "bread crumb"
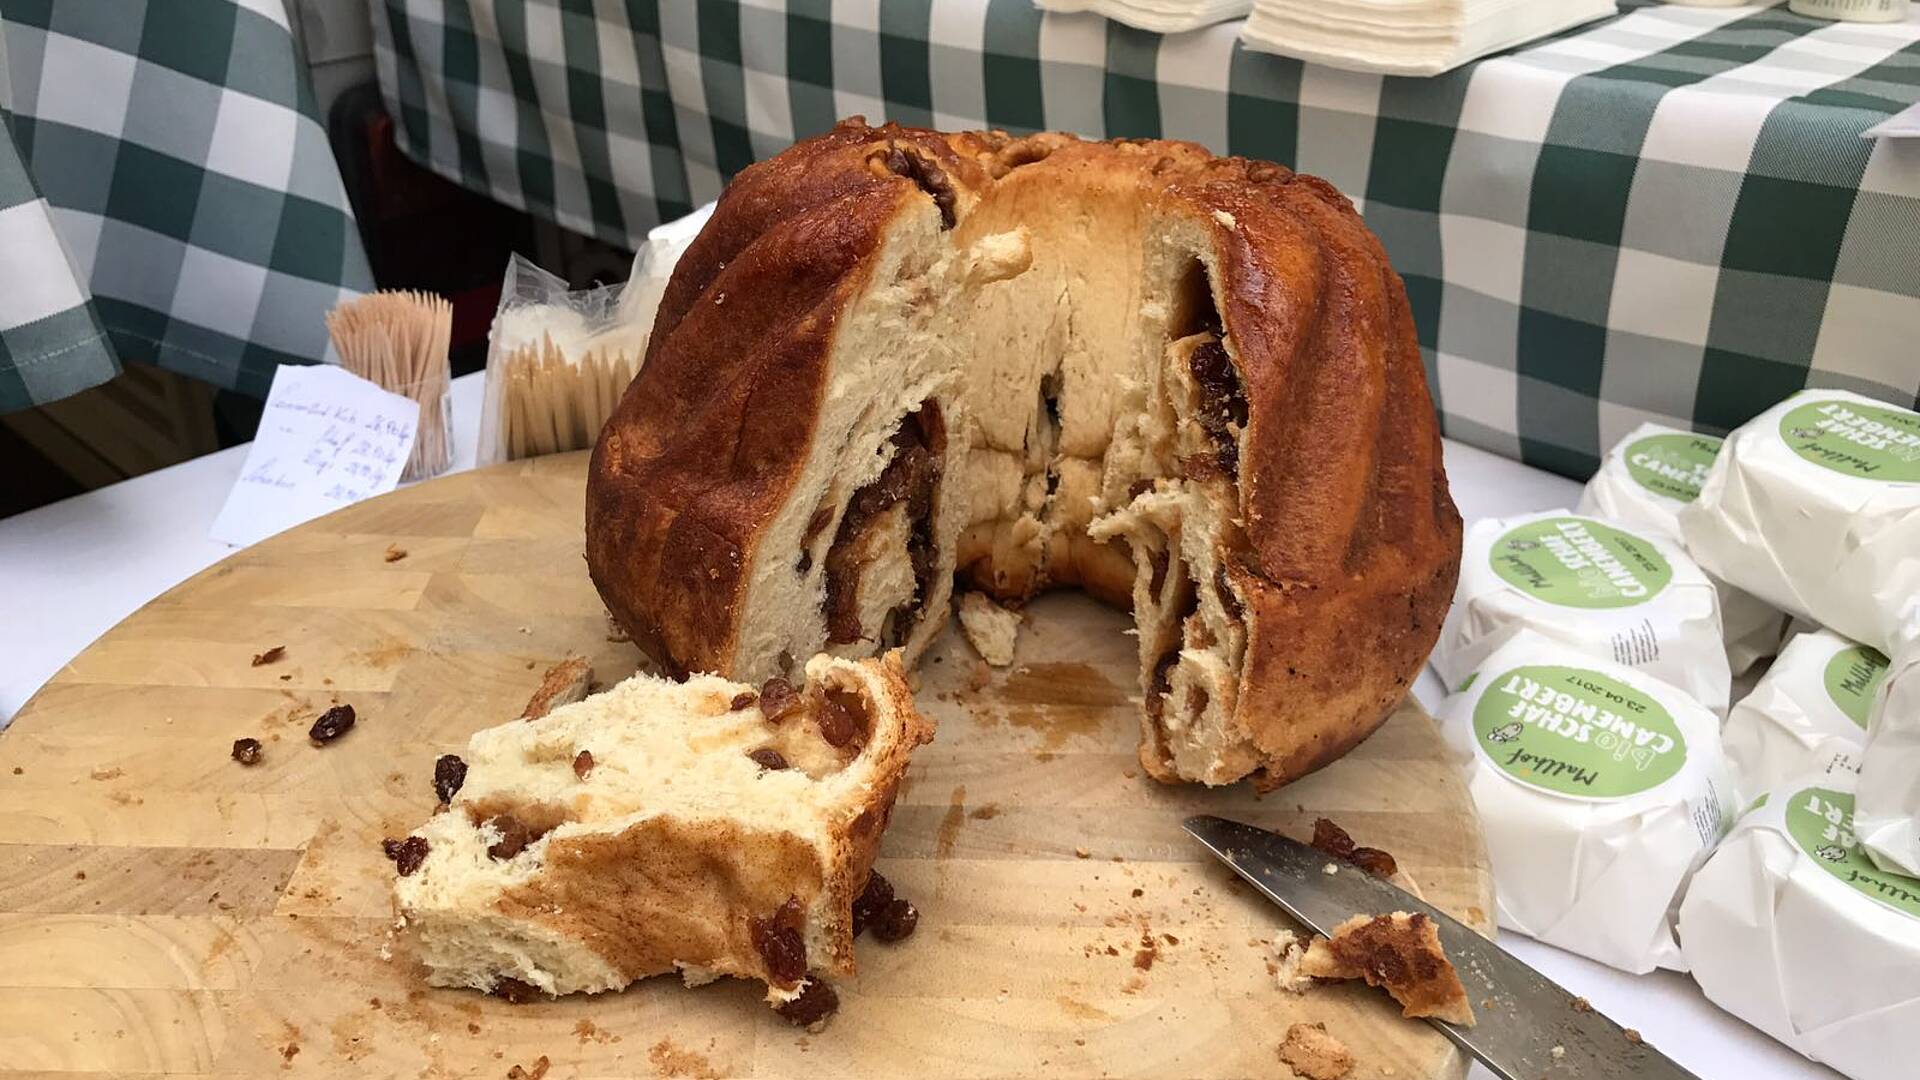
[[394, 553], [1632, 1036], [1330, 869], [1082, 853], [1290, 948], [1558, 1052], [991, 629], [262, 659], [1225, 218], [564, 683], [1315, 1055], [1401, 953]]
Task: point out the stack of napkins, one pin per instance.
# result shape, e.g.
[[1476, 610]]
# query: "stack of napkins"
[[1159, 16], [1407, 37]]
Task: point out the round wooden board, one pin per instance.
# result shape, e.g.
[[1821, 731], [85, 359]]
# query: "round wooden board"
[[164, 910]]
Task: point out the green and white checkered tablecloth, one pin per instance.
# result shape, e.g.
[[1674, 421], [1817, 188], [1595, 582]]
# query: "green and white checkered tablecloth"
[[167, 194], [1667, 215]]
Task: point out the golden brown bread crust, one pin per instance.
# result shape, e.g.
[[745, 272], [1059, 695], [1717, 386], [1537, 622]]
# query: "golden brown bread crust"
[[1352, 536], [1351, 542], [704, 446]]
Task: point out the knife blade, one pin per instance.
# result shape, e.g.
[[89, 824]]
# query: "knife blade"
[[1529, 1027]]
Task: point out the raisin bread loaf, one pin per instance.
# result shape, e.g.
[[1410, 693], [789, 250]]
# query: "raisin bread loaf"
[[1185, 384], [703, 827]]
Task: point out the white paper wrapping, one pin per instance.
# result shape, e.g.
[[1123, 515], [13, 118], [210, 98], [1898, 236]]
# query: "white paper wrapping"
[[1814, 506], [1889, 822], [1790, 928], [1642, 483], [1599, 789], [1618, 594], [1807, 716]]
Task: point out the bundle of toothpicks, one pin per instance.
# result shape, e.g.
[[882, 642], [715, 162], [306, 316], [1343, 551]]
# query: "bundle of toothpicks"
[[398, 341], [552, 404]]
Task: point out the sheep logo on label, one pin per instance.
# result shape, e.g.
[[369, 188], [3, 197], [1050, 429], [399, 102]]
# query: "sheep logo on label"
[[1831, 852], [1505, 734]]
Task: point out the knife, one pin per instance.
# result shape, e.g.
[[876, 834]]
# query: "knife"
[[1529, 1027]]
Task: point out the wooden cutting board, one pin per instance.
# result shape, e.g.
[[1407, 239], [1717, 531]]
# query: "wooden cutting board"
[[164, 910]]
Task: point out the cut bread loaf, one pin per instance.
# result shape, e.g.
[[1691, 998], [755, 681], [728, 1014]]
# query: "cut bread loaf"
[[1182, 383], [702, 827]]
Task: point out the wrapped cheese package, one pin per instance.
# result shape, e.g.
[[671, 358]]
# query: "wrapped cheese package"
[[1889, 812], [1599, 789], [1642, 483], [1789, 927], [1814, 506], [1632, 597], [1807, 716]]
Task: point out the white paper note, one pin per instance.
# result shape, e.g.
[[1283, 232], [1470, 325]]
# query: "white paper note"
[[327, 438]]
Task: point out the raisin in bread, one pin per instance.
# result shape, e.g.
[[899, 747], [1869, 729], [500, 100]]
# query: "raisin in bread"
[[1186, 384], [703, 827]]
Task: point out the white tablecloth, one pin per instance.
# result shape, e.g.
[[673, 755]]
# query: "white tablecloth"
[[70, 571]]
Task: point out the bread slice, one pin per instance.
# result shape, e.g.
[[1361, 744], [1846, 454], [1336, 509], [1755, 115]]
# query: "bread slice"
[[703, 827], [1399, 952]]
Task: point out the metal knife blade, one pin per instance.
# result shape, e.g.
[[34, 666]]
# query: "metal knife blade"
[[1529, 1028]]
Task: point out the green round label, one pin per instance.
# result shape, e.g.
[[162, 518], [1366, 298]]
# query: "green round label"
[[1867, 441], [1853, 676], [1672, 465], [1820, 820], [1578, 562], [1570, 731]]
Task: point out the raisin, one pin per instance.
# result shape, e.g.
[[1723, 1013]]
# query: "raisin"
[[332, 724], [843, 718], [246, 751], [1332, 839], [779, 700], [777, 939], [1161, 683], [407, 855], [1223, 405], [911, 476], [514, 837], [449, 772], [1375, 862], [513, 991], [814, 1005], [583, 764], [872, 901], [743, 701], [1138, 488], [896, 921], [928, 177], [768, 758], [1223, 586]]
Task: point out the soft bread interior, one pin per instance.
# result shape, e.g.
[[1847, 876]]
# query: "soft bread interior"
[[895, 370], [658, 854]]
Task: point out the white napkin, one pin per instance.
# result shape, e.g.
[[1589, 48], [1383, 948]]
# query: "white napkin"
[[1159, 16], [1407, 37]]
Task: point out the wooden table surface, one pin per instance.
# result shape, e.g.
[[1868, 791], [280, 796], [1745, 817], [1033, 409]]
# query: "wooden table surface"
[[165, 911]]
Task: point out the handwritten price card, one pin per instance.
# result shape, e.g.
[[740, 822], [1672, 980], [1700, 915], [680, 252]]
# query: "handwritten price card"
[[327, 438]]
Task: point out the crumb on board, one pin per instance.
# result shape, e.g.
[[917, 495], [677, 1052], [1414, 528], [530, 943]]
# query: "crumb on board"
[[536, 1072], [1315, 1055], [262, 659], [1082, 853], [394, 553]]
